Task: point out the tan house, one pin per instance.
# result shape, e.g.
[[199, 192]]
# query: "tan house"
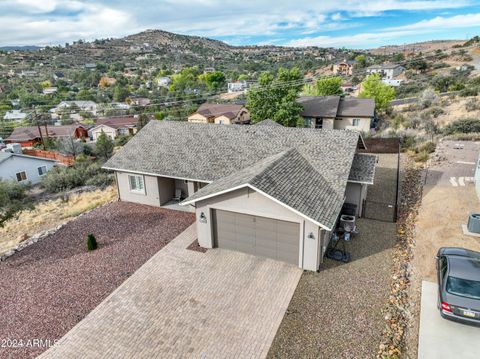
[[114, 127], [226, 114], [338, 113], [269, 191], [344, 67]]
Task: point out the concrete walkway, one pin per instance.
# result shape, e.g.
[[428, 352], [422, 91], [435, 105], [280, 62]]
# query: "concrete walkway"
[[183, 303], [440, 338]]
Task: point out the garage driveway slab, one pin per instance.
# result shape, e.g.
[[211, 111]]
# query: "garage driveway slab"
[[440, 338], [183, 303]]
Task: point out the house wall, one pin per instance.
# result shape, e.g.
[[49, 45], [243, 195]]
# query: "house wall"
[[11, 166], [197, 118], [166, 189], [248, 201], [223, 120], [344, 123], [356, 193], [152, 193], [110, 132]]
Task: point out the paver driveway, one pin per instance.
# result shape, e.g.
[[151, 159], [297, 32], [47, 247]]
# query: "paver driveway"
[[183, 303]]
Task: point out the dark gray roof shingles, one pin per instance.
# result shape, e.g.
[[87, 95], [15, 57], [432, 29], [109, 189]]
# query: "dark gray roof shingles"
[[363, 168]]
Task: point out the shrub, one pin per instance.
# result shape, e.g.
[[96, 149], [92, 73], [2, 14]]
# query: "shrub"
[[466, 125], [472, 104], [12, 200], [408, 142], [428, 147], [91, 242]]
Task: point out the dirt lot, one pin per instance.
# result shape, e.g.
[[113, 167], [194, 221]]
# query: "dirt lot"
[[337, 313], [446, 205], [49, 214], [50, 286]]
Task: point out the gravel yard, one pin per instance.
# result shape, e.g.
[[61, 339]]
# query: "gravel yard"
[[50, 286], [337, 313]]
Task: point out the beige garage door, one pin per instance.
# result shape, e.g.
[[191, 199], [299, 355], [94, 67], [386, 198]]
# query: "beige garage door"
[[259, 236]]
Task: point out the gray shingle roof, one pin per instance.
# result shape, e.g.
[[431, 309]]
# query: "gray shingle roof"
[[267, 122], [363, 168], [208, 152], [319, 106], [356, 107], [290, 178]]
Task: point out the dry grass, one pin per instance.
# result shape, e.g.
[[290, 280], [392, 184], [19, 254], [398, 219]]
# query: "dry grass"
[[49, 214]]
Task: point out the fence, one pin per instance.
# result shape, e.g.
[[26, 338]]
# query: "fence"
[[67, 160]]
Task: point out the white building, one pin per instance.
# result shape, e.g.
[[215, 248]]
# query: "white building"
[[386, 71], [24, 169], [15, 115], [237, 86], [164, 81]]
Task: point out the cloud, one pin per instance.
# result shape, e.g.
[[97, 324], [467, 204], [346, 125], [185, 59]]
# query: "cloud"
[[58, 21], [369, 39]]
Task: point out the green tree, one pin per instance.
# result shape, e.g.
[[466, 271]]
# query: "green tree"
[[120, 93], [326, 86], [361, 60], [213, 80], [374, 88], [12, 200], [104, 147], [276, 97], [185, 79]]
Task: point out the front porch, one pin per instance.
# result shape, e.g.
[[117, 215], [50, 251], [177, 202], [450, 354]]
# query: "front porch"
[[174, 205]]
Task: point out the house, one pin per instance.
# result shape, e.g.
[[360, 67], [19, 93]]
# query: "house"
[[87, 106], [344, 67], [90, 66], [22, 168], [114, 127], [58, 75], [339, 113], [49, 90], [237, 86], [386, 71], [140, 101], [28, 73], [392, 82], [15, 115], [29, 136], [164, 81], [270, 191], [226, 114]]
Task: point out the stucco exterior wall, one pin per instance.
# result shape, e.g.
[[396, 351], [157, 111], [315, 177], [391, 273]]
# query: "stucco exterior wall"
[[248, 201], [110, 132], [11, 166], [151, 196], [345, 123], [196, 117], [224, 120], [356, 193]]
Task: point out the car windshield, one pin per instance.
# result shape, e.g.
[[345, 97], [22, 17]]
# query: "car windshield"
[[463, 287]]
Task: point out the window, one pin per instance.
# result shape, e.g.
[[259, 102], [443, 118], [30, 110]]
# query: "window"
[[355, 122], [21, 176], [42, 170], [136, 183], [308, 122], [319, 123]]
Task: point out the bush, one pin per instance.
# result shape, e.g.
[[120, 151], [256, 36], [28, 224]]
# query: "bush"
[[466, 125], [91, 242], [472, 104], [428, 147], [12, 200]]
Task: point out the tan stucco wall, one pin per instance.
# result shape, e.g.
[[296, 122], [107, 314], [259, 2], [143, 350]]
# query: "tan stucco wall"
[[196, 117], [110, 132], [347, 123], [248, 201], [151, 196], [223, 120]]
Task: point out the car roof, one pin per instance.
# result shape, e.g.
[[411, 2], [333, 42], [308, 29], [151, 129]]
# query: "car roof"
[[463, 267]]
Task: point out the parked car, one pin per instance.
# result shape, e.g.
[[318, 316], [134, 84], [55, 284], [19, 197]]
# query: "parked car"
[[458, 271]]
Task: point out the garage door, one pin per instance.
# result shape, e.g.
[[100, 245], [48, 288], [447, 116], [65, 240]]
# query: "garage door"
[[259, 236]]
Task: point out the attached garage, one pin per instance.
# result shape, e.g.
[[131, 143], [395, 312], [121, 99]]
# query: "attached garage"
[[256, 235]]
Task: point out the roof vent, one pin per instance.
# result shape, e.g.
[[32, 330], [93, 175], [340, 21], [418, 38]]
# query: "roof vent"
[[474, 223]]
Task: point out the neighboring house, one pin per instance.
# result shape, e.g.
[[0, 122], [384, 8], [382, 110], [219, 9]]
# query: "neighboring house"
[[49, 90], [22, 168], [238, 86], [140, 101], [338, 113], [15, 115], [90, 66], [225, 114], [344, 67], [394, 83], [114, 127], [270, 191], [386, 71], [58, 76], [164, 81], [28, 73], [29, 136], [87, 106]]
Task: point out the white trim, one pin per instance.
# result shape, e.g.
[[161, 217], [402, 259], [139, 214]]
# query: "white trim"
[[154, 174], [138, 191], [23, 180], [361, 182], [261, 192], [43, 173]]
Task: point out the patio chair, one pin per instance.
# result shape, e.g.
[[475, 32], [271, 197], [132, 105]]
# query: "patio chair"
[[178, 195]]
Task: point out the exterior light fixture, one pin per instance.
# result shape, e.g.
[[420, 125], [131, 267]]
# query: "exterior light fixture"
[[203, 218], [311, 236]]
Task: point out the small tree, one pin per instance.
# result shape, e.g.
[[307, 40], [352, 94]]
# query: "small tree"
[[374, 88], [91, 242], [104, 147], [327, 86], [70, 146]]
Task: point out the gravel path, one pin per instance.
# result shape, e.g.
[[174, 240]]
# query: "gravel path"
[[50, 286], [337, 313]]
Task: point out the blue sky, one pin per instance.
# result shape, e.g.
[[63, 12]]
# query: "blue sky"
[[345, 23]]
